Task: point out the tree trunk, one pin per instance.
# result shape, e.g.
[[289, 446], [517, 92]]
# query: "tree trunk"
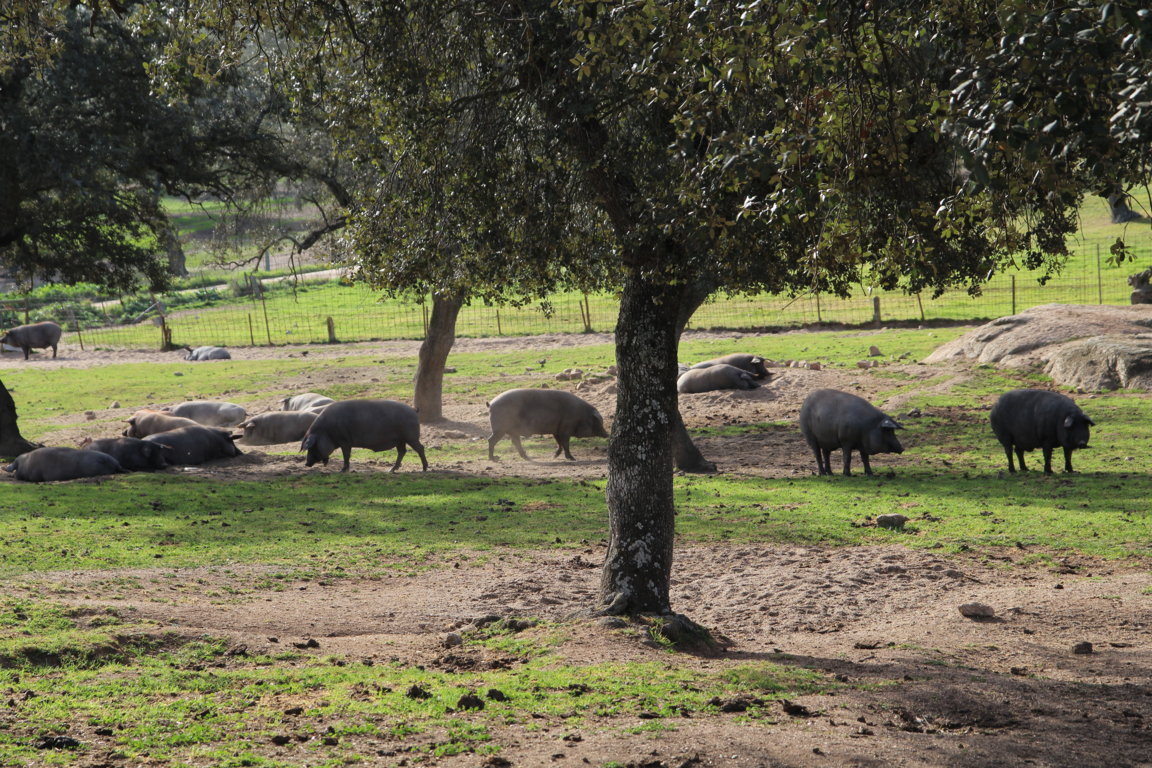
[[1121, 213], [641, 515], [688, 456], [170, 242], [11, 443], [434, 351]]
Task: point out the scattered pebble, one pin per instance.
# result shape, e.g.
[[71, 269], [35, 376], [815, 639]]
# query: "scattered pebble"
[[874, 351], [977, 611], [1082, 648], [893, 521], [452, 639]]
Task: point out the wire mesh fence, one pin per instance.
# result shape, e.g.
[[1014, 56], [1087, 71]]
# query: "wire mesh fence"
[[335, 312]]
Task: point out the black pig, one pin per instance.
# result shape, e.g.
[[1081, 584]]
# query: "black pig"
[[1027, 419], [830, 419]]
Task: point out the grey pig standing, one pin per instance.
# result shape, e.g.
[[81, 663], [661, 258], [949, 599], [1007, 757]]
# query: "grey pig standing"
[[46, 465], [34, 336], [754, 364], [378, 425], [132, 453], [522, 412], [1026, 419], [830, 419], [715, 377]]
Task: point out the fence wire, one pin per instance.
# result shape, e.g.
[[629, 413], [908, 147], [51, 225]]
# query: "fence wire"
[[331, 312]]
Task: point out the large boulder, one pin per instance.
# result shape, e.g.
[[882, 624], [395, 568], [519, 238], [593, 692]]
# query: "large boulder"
[[1085, 346]]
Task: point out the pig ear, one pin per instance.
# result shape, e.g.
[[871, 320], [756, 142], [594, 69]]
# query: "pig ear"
[[1068, 422], [1088, 419], [890, 423], [757, 360], [309, 441]]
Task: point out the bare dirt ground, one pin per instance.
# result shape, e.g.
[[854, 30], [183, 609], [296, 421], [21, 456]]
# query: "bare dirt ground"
[[929, 687]]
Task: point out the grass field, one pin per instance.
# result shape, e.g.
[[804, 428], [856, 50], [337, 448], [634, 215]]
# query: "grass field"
[[167, 699]]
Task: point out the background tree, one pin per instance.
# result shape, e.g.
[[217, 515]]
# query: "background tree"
[[644, 147], [89, 145]]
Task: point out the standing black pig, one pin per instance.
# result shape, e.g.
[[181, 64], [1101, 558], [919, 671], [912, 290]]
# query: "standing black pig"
[[830, 419], [34, 336], [1026, 419], [522, 412], [379, 425]]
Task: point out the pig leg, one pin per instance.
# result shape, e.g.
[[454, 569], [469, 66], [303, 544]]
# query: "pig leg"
[[1020, 456], [847, 451], [1008, 453], [401, 449], [864, 461], [1067, 459], [492, 445], [27, 351], [1047, 459], [53, 351], [824, 460], [563, 442], [519, 447], [347, 451], [419, 448]]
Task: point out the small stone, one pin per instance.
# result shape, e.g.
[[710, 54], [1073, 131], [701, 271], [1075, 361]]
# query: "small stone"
[[1082, 648], [115, 404], [449, 369], [894, 521], [815, 366], [178, 373], [453, 434], [865, 363], [611, 370], [612, 622], [452, 639], [977, 611], [90, 415], [874, 351]]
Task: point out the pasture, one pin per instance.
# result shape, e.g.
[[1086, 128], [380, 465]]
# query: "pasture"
[[253, 612]]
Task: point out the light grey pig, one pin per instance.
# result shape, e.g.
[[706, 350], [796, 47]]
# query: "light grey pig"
[[715, 377], [378, 425], [754, 364], [34, 336], [277, 427], [147, 422], [47, 465], [522, 412], [309, 401], [830, 419], [210, 413], [207, 353]]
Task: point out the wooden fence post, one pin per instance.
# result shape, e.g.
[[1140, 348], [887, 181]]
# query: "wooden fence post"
[[1013, 293], [876, 311], [332, 331]]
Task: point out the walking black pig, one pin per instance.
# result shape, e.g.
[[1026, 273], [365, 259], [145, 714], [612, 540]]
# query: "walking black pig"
[[379, 425], [522, 412], [1026, 419], [830, 419], [132, 453], [34, 336], [46, 465], [196, 444]]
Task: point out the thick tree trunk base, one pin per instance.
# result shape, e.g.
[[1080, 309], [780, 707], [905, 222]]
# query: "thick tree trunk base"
[[10, 448], [673, 631]]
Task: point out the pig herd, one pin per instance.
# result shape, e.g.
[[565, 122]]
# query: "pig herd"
[[197, 431]]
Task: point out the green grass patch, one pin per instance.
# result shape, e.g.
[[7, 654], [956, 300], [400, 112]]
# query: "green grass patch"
[[198, 700]]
